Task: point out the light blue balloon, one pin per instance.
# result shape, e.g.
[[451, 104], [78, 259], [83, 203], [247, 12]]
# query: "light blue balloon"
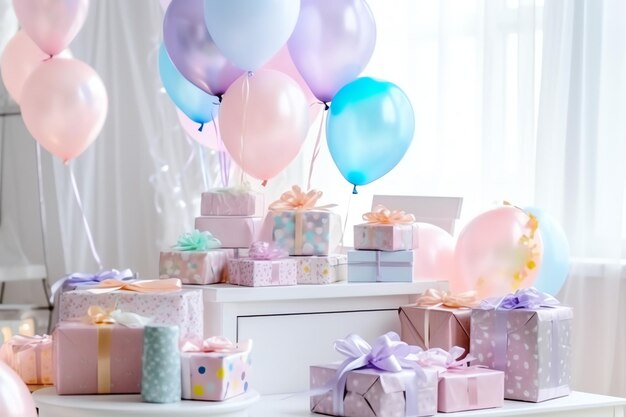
[[195, 103], [369, 129], [555, 264]]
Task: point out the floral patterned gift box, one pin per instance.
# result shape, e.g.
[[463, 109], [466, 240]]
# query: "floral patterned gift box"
[[266, 265], [321, 269]]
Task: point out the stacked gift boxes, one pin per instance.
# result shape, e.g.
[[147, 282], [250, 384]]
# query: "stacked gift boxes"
[[383, 247]]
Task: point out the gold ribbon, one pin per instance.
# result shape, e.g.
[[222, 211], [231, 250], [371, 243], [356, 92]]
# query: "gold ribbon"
[[382, 215]]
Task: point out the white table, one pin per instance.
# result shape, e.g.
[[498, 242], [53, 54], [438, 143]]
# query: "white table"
[[578, 404]]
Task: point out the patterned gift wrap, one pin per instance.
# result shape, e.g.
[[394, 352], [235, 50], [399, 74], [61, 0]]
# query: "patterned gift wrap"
[[321, 269], [262, 273], [195, 267]]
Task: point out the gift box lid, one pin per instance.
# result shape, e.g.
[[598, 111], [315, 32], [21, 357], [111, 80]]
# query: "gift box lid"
[[523, 316]]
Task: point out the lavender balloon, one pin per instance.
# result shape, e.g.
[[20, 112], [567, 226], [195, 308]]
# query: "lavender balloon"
[[332, 43], [192, 49]]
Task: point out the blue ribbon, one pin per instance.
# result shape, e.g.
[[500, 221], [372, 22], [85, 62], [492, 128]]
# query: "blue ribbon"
[[77, 279]]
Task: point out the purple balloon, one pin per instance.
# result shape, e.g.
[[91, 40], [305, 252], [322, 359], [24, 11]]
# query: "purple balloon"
[[192, 49], [332, 42]]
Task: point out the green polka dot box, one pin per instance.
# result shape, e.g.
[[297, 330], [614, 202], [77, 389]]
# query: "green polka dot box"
[[216, 376]]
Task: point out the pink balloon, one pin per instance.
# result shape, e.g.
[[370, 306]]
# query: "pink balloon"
[[20, 58], [64, 105], [267, 113], [209, 135], [434, 259], [15, 399], [51, 24], [497, 253]]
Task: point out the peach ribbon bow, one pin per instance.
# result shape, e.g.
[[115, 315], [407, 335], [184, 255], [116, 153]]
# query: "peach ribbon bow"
[[435, 298], [382, 215], [296, 199], [146, 286]]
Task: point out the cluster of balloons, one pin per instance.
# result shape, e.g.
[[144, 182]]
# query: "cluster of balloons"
[[63, 100], [261, 65]]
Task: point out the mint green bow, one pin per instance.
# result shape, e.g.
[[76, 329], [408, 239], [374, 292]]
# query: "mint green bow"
[[197, 241]]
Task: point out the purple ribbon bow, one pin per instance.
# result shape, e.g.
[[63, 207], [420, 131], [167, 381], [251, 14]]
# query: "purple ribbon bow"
[[522, 298], [78, 279], [266, 251]]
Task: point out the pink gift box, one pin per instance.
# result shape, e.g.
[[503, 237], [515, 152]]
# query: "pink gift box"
[[470, 388], [231, 202], [214, 376], [30, 357], [374, 393], [195, 267], [97, 359], [435, 327], [321, 269], [262, 273], [182, 308], [386, 237], [232, 231]]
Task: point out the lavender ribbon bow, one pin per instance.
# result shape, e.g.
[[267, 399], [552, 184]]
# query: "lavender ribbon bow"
[[388, 353], [266, 251], [78, 279], [522, 298]]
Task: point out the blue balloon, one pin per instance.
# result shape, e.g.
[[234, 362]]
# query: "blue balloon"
[[195, 103], [554, 267], [369, 129]]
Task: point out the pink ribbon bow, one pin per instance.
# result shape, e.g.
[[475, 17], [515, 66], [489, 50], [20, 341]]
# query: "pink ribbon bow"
[[296, 199], [145, 286], [436, 298], [218, 344], [382, 215], [444, 360]]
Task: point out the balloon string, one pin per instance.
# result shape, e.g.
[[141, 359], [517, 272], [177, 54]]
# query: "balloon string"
[[223, 155], [205, 175], [85, 222], [345, 222], [245, 93], [316, 148], [42, 206]]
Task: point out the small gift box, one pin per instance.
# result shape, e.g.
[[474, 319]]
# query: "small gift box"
[[30, 357], [196, 259], [232, 201], [526, 335], [438, 320], [102, 356], [375, 381], [232, 231], [301, 227], [373, 266], [215, 369], [463, 387], [321, 269], [386, 230], [163, 300], [265, 266]]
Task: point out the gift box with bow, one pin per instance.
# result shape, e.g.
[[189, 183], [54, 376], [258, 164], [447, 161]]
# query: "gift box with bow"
[[100, 354], [196, 259], [438, 320], [303, 228], [379, 266], [266, 265], [30, 357], [215, 369], [381, 380], [386, 230], [163, 300], [232, 201], [526, 335]]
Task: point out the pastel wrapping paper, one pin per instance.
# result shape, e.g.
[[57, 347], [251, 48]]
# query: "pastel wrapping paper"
[[430, 327], [84, 354], [231, 202], [373, 266], [262, 273], [321, 269], [160, 381], [385, 237], [232, 231], [183, 308], [470, 388], [30, 357], [195, 267], [306, 232], [374, 393], [532, 346], [215, 376]]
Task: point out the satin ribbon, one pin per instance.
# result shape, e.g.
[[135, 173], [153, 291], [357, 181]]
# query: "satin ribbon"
[[144, 286], [217, 344], [197, 241], [382, 215], [20, 343], [266, 251], [77, 279], [100, 315], [387, 353]]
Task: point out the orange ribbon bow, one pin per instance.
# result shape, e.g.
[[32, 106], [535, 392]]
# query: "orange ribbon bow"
[[435, 298], [296, 199], [146, 286], [382, 215]]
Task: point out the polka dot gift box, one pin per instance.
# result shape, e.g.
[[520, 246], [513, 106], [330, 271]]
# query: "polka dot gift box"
[[215, 369], [526, 335]]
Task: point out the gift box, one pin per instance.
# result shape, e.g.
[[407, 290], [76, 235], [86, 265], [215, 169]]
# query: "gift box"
[[195, 267], [215, 371], [386, 230], [470, 388], [232, 231], [183, 308], [262, 273], [30, 357], [236, 201], [321, 269], [373, 266], [527, 337], [97, 358]]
